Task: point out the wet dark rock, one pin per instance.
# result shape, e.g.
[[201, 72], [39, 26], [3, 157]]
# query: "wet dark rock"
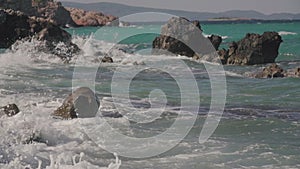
[[82, 103], [255, 49], [17, 26], [215, 40], [9, 110], [179, 36], [107, 59], [112, 114]]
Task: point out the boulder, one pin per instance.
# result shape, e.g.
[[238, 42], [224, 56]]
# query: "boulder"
[[272, 71], [255, 49], [179, 36], [82, 103], [9, 110], [293, 73], [16, 25], [90, 18]]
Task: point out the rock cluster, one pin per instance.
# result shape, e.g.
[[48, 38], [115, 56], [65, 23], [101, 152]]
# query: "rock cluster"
[[90, 18], [275, 71], [181, 37], [15, 25], [57, 13]]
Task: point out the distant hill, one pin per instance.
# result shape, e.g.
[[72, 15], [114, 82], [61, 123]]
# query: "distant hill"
[[123, 10]]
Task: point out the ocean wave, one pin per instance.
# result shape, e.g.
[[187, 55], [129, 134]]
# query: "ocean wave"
[[282, 33], [223, 37]]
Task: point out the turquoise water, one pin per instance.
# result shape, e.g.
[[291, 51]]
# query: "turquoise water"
[[259, 127]]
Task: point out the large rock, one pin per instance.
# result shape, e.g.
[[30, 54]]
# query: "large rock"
[[180, 36], [15, 25], [82, 103], [90, 18], [255, 49]]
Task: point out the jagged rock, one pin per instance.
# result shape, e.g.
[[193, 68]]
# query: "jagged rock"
[[17, 26], [82, 103], [255, 49], [90, 18], [179, 36], [53, 10], [47, 9], [223, 54], [107, 59], [272, 71], [9, 110], [215, 40]]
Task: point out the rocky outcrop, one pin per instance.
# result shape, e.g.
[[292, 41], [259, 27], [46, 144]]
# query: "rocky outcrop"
[[180, 35], [275, 71], [272, 71], [90, 18], [82, 103], [47, 9], [15, 26], [9, 110], [57, 13], [254, 49], [53, 10]]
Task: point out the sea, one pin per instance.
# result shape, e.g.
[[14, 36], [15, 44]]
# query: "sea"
[[178, 113]]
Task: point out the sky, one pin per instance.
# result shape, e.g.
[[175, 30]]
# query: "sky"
[[264, 6]]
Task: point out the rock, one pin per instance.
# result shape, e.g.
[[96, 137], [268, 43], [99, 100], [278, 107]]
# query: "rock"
[[223, 55], [17, 26], [107, 59], [82, 103], [272, 71], [293, 73], [10, 110], [179, 36], [47, 9], [112, 114], [53, 10], [215, 40], [90, 18], [255, 49]]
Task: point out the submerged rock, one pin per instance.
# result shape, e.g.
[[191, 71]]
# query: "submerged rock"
[[15, 26], [272, 71], [82, 103], [255, 49], [107, 59], [9, 110], [179, 35]]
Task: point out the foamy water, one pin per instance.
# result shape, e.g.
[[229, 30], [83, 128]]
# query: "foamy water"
[[259, 128]]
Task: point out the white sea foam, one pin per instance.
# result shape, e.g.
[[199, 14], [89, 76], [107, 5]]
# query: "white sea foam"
[[286, 33]]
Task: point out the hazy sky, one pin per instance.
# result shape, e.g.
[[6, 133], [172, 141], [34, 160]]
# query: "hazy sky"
[[264, 6]]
